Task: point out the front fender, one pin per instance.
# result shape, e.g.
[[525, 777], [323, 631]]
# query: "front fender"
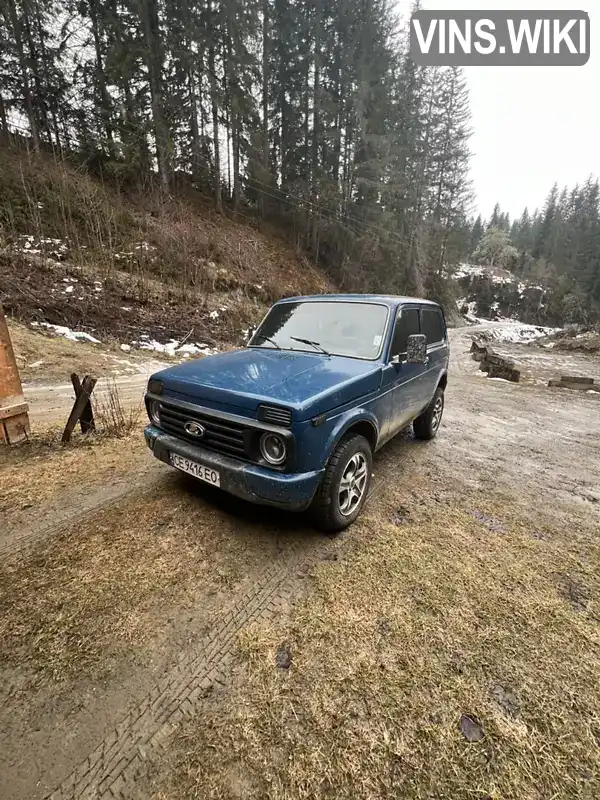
[[343, 423]]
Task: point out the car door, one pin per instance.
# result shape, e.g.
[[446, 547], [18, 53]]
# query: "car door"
[[434, 328], [405, 378]]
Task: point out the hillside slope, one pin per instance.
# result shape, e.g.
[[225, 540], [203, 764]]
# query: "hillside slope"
[[134, 270]]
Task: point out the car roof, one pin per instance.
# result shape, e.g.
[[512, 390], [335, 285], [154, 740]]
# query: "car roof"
[[391, 300]]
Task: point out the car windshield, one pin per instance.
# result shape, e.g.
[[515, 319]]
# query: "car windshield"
[[335, 328]]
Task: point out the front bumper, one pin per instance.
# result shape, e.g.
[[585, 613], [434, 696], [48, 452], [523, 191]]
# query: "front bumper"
[[291, 491]]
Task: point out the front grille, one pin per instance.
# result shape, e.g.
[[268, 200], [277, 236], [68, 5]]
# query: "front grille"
[[275, 415], [220, 435]]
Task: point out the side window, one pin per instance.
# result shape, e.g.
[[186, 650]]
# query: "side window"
[[431, 325], [406, 324]]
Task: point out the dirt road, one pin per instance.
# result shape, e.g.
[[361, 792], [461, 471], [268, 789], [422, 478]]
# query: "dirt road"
[[49, 404], [122, 622]]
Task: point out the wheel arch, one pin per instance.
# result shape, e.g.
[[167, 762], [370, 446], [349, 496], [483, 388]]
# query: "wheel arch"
[[362, 424], [364, 427], [443, 382]]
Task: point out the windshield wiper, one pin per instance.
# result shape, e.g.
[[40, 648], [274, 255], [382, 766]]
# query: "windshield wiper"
[[316, 345], [268, 339]]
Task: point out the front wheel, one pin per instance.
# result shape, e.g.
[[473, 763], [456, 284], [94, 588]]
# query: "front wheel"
[[427, 425], [345, 485]]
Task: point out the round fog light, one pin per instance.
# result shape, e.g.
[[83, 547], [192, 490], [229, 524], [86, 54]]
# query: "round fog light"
[[273, 448], [154, 411]]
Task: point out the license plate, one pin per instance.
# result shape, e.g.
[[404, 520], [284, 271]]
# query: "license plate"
[[197, 470]]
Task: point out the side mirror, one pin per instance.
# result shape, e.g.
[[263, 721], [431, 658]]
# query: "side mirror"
[[416, 349], [395, 359]]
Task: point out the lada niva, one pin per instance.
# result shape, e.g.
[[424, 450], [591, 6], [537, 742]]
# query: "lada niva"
[[293, 419]]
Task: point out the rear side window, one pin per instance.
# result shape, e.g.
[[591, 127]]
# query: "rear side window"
[[432, 325], [406, 325]]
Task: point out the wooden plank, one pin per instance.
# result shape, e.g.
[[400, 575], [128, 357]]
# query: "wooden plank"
[[12, 411], [86, 419], [14, 421], [14, 429], [575, 386], [87, 387], [505, 372], [575, 379]]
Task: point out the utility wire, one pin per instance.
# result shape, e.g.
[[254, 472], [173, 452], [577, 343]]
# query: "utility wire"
[[285, 195]]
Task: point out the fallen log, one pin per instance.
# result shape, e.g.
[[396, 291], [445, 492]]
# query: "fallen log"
[[479, 351], [498, 366], [576, 379], [506, 372], [495, 365], [576, 384], [500, 361]]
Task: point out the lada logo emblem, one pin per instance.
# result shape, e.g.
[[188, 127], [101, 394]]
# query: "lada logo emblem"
[[195, 429]]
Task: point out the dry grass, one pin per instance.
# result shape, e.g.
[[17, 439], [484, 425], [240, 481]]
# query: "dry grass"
[[42, 473], [191, 246], [165, 266], [134, 581], [83, 599], [112, 417], [43, 358], [442, 613]]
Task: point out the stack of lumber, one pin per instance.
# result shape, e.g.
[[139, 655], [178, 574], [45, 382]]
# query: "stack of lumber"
[[495, 365]]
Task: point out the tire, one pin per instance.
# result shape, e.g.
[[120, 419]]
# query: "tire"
[[428, 424], [330, 509]]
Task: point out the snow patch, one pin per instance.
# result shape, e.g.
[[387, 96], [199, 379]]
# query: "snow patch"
[[62, 330], [468, 270], [174, 348], [34, 246], [497, 275], [515, 332]]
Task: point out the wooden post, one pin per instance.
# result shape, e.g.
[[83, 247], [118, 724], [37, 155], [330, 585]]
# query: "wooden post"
[[79, 407], [86, 420], [14, 417]]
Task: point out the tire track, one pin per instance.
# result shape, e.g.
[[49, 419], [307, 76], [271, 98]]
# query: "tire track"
[[20, 539], [122, 758]]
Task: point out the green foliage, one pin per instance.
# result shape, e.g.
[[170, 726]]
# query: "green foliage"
[[495, 250], [304, 113], [560, 248]]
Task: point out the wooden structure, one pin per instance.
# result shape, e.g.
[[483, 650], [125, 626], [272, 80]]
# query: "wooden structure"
[[14, 416], [82, 408], [495, 365], [577, 383]]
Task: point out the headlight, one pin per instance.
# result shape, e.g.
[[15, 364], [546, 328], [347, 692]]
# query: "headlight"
[[155, 386], [154, 411], [273, 448]]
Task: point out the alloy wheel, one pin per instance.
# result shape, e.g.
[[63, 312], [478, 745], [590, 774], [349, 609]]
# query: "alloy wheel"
[[353, 484]]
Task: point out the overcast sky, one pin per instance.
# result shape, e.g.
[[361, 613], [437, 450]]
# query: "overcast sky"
[[531, 125]]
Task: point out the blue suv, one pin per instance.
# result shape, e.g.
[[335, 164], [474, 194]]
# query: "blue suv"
[[293, 419]]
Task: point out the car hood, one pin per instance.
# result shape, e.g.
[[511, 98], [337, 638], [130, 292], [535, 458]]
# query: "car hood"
[[307, 383]]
